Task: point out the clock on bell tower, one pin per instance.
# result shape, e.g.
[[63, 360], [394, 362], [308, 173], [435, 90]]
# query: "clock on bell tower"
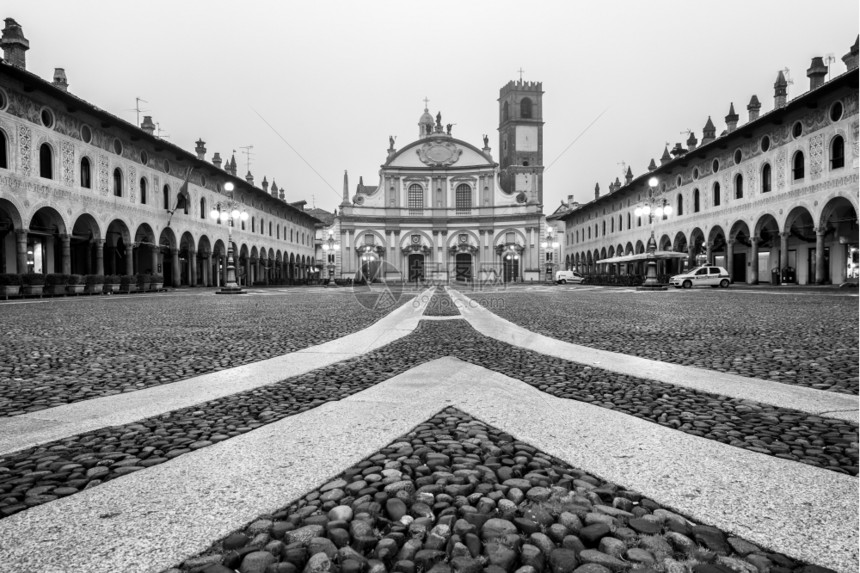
[[521, 139]]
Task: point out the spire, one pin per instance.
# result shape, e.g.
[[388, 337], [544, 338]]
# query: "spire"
[[850, 59], [345, 200], [665, 158], [753, 107], [596, 190], [249, 178], [274, 188], [731, 118], [709, 132], [692, 142], [629, 177], [265, 184], [780, 91], [653, 165]]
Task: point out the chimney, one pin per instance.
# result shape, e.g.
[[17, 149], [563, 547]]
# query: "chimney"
[[570, 199], [678, 151], [14, 44], [629, 177], [274, 189], [265, 184], [231, 166], [850, 58], [345, 200], [617, 184], [731, 118], [249, 178], [60, 80], [754, 107], [200, 149], [148, 126], [653, 165], [816, 73], [596, 191], [216, 160], [780, 91], [665, 158], [283, 197], [692, 142], [708, 132]]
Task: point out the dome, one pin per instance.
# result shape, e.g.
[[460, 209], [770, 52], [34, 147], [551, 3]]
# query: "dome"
[[426, 117]]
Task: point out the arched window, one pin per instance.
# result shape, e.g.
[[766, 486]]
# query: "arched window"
[[117, 182], [612, 225], [765, 178], [797, 166], [716, 195], [604, 228], [505, 112], [253, 225], [203, 207], [526, 108], [86, 174], [415, 199], [166, 197], [680, 208], [46, 162], [629, 222], [837, 152], [589, 232], [4, 158], [270, 228], [463, 199], [620, 223], [262, 226], [278, 230], [697, 203], [739, 186], [143, 190]]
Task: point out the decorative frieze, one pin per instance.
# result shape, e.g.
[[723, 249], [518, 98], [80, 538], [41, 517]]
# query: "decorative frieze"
[[780, 169], [103, 173], [816, 155], [25, 149], [68, 162], [132, 183]]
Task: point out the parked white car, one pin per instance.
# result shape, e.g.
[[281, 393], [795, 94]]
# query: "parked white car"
[[564, 277], [702, 276]]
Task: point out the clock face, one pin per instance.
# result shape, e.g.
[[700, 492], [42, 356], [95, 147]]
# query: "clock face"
[[527, 138]]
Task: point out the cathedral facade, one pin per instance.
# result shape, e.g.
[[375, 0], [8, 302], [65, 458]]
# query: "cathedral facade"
[[445, 210]]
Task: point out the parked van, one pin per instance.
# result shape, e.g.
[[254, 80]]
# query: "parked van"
[[564, 277]]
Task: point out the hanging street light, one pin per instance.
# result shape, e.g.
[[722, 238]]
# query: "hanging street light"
[[654, 208]]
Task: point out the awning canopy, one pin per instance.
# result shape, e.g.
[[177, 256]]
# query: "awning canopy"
[[658, 255]]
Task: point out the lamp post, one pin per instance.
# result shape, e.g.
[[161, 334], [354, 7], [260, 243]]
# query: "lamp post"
[[228, 212], [330, 247], [653, 209], [549, 243]]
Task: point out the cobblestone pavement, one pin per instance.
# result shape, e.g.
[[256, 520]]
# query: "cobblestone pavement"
[[64, 467], [55, 352], [456, 494], [807, 339]]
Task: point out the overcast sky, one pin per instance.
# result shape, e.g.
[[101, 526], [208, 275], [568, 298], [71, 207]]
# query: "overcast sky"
[[329, 81]]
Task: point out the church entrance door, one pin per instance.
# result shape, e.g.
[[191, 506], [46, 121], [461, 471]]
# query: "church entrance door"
[[415, 264], [463, 267], [511, 268]]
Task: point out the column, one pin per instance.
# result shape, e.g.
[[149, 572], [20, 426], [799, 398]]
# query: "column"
[[752, 279], [129, 259], [177, 271], [266, 272], [21, 250], [192, 267], [783, 251], [222, 259], [66, 254], [100, 256], [730, 252], [248, 280], [207, 268], [819, 255], [708, 253], [691, 256]]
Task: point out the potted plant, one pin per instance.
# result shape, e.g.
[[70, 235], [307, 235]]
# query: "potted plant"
[[10, 284], [142, 281], [56, 283], [94, 283], [33, 284], [127, 284], [111, 283], [75, 285], [156, 282]]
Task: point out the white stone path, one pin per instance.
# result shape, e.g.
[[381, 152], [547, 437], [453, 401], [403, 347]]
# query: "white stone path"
[[154, 518]]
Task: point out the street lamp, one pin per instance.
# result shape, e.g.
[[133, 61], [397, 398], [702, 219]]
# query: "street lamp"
[[654, 209], [549, 243], [228, 212], [330, 248]]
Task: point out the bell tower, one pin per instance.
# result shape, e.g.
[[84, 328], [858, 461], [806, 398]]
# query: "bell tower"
[[521, 139]]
